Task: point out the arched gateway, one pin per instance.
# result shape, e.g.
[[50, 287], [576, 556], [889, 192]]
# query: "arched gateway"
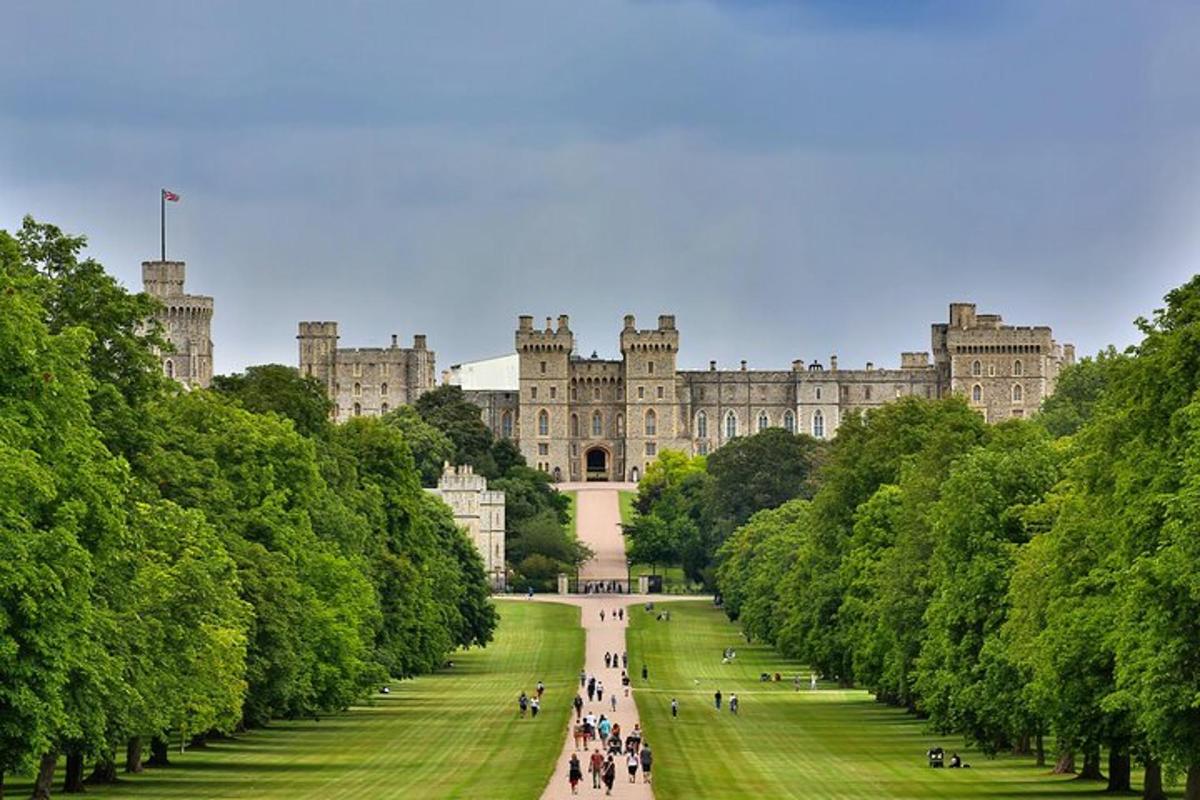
[[596, 464]]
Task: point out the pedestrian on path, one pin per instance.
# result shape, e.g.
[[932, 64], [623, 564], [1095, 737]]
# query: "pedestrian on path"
[[647, 761], [600, 691], [733, 704], [674, 708], [717, 699], [621, 613], [607, 659], [591, 689], [636, 736], [577, 732], [582, 678], [535, 705], [612, 698], [578, 707], [645, 673], [602, 615], [609, 775], [624, 660], [596, 766], [574, 774], [631, 761], [523, 703], [605, 729], [813, 683], [625, 682]]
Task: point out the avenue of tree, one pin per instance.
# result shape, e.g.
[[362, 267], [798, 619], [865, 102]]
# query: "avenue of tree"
[[1033, 586], [174, 564]]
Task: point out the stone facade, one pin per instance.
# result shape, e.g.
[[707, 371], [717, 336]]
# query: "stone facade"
[[364, 381], [480, 511], [186, 321], [589, 418]]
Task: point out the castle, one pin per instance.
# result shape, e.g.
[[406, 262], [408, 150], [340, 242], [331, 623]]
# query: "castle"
[[186, 321], [480, 511], [364, 381], [595, 419]]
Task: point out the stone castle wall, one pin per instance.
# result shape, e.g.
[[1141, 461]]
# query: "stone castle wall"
[[186, 321]]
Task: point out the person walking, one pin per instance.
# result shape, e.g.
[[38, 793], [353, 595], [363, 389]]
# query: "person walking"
[[577, 732], [624, 660], [582, 679], [596, 766], [578, 707], [813, 682], [607, 659], [647, 761], [602, 615], [605, 728], [541, 688], [609, 775], [599, 691], [674, 708], [535, 706], [645, 673], [733, 704], [523, 703], [631, 761], [591, 689], [612, 700], [574, 774], [621, 613], [717, 699]]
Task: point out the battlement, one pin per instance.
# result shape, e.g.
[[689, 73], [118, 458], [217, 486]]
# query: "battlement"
[[317, 330], [551, 338], [912, 360], [664, 337], [163, 278]]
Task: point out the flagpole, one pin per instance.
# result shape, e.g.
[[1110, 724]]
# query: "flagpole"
[[162, 222]]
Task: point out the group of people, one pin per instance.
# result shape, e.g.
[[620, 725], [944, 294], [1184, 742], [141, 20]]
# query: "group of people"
[[616, 614], [734, 703], [533, 705], [602, 762]]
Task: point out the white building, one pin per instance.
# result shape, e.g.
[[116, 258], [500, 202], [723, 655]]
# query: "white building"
[[480, 511]]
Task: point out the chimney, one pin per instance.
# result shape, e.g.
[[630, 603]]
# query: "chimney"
[[549, 326], [525, 322], [666, 322], [870, 366], [743, 365], [798, 365], [419, 341], [562, 323], [393, 340], [630, 324], [712, 366], [833, 363]]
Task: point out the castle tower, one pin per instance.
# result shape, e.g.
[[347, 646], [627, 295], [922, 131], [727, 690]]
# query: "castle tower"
[[318, 353], [186, 321], [651, 409], [544, 378]]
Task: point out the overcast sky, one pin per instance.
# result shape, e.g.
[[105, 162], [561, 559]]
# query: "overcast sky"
[[789, 179]]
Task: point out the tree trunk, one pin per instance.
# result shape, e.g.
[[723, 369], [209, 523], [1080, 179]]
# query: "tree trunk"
[[1192, 792], [133, 755], [73, 779], [1119, 770], [1091, 764], [158, 753], [1152, 788], [44, 783], [1021, 746], [1041, 750], [1065, 764], [105, 770]]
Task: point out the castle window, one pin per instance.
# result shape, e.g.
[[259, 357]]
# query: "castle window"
[[574, 393], [659, 392], [543, 366], [702, 448], [1018, 368], [357, 369], [597, 424], [1018, 393], [818, 393], [641, 393], [899, 391], [506, 424], [383, 408], [991, 370], [789, 421], [763, 421], [701, 395], [976, 368], [977, 393], [1016, 412], [553, 392], [543, 449], [169, 368], [818, 424], [651, 423], [731, 425], [357, 410], [650, 367], [620, 424], [596, 393], [845, 392], [867, 393], [533, 393], [574, 424], [702, 425], [383, 389], [651, 449], [543, 423], [358, 390]]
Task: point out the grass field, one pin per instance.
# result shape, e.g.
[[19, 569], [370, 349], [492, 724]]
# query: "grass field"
[[625, 499], [572, 514], [454, 734], [823, 745]]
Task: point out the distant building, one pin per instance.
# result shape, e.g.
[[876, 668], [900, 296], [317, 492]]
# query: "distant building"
[[364, 381], [493, 384], [481, 511], [186, 321], [595, 419]]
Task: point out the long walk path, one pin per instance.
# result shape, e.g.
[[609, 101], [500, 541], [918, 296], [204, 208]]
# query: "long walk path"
[[598, 519]]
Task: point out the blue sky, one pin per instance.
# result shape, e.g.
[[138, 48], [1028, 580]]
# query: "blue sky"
[[790, 179]]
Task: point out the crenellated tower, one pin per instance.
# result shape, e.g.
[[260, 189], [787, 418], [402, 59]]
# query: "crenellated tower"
[[544, 379], [186, 321], [318, 353], [651, 406]]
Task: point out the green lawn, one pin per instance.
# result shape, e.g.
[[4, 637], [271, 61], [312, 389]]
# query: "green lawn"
[[572, 514], [454, 734], [626, 502], [817, 745]]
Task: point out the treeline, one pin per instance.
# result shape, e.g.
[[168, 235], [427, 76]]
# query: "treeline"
[[1032, 586], [174, 564], [687, 506]]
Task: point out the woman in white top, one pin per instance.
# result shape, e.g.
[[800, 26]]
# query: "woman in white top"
[[632, 762]]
